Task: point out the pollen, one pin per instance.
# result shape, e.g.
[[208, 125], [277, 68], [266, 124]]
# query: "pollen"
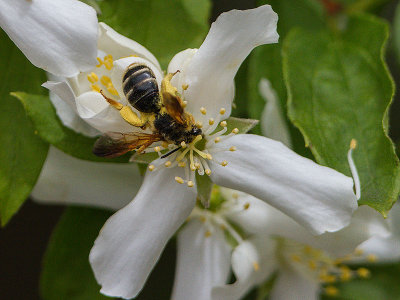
[[224, 163], [209, 156], [208, 172], [112, 90], [184, 104], [363, 272], [235, 131], [223, 124], [92, 77], [246, 205], [211, 121], [157, 149], [100, 62], [185, 87], [108, 62], [95, 88], [183, 144], [233, 148], [190, 183], [168, 164], [179, 180], [181, 164], [217, 139], [105, 80], [197, 166], [199, 124], [203, 110], [207, 233], [371, 258], [151, 167], [222, 111], [353, 144]]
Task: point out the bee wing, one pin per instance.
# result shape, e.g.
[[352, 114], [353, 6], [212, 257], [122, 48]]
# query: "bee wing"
[[113, 144], [174, 107]]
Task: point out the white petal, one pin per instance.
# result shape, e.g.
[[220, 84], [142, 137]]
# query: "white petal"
[[210, 74], [132, 240], [59, 36], [259, 250], [250, 213], [111, 42], [290, 285], [97, 112], [122, 64], [63, 99], [273, 124], [319, 198], [178, 63], [68, 180], [202, 262]]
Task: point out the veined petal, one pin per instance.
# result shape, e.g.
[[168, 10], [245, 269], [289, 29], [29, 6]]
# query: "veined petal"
[[203, 262], [111, 42], [319, 198], [210, 74], [63, 99], [132, 240], [292, 285], [59, 36], [253, 261], [273, 124], [122, 64], [179, 62], [96, 111], [68, 180]]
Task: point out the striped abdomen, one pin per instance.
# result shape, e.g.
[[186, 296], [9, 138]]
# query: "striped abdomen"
[[141, 89]]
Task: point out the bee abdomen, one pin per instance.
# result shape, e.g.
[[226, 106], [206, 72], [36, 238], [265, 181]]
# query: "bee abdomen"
[[141, 89]]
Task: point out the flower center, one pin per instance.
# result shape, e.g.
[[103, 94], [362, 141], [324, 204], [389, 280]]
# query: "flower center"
[[100, 80], [318, 265]]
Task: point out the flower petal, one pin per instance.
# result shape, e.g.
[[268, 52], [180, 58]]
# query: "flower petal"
[[210, 74], [68, 180], [122, 64], [132, 240], [291, 285], [59, 36], [319, 198], [97, 112], [63, 99], [253, 261], [111, 42], [203, 262], [273, 124]]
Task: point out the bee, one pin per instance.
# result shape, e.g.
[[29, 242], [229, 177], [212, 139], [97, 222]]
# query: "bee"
[[161, 112]]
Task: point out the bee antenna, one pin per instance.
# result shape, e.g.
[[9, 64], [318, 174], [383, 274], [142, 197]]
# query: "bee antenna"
[[170, 152]]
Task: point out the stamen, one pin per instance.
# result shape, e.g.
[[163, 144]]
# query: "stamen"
[[223, 124], [222, 111], [179, 180], [353, 169], [185, 87], [217, 140], [182, 155], [372, 258], [184, 104], [363, 272], [203, 110], [182, 164], [168, 164], [100, 62], [95, 88], [183, 144], [92, 77], [235, 131], [224, 163], [211, 121], [208, 172], [199, 124], [246, 205], [233, 148], [190, 183], [151, 167], [331, 291], [108, 62], [207, 234]]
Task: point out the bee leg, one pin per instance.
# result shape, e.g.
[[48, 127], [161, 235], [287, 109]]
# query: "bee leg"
[[112, 102], [132, 118]]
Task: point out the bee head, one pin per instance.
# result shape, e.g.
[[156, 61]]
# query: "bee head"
[[195, 131]]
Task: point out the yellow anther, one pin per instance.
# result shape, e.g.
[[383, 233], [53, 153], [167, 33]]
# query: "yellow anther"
[[207, 234], [168, 164], [222, 226], [345, 274], [183, 144], [179, 180], [95, 88], [312, 264], [295, 258], [223, 124], [331, 291], [208, 172], [197, 165], [211, 121], [190, 183], [199, 124], [105, 80], [359, 252], [372, 258], [363, 272], [184, 104], [112, 90], [235, 131], [222, 111], [92, 77], [246, 205], [353, 144], [164, 144], [185, 87], [100, 62], [108, 62], [327, 278], [203, 110], [233, 148], [157, 149], [235, 195], [224, 163], [151, 167], [256, 266], [217, 140], [181, 164], [202, 219], [209, 156]]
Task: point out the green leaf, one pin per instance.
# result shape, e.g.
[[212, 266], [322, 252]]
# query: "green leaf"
[[51, 130], [340, 89], [163, 27], [66, 273], [266, 61], [244, 125], [204, 188], [396, 32], [22, 153]]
